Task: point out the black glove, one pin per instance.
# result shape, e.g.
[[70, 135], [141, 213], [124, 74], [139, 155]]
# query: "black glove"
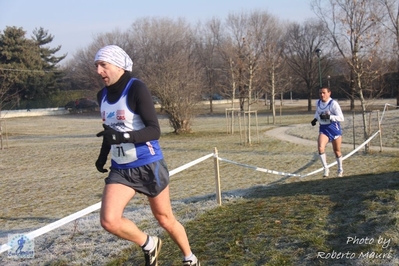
[[100, 164], [110, 135], [102, 158], [325, 116], [314, 122]]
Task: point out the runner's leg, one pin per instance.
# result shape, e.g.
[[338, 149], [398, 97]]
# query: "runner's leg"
[[337, 146], [162, 210], [115, 198], [322, 143]]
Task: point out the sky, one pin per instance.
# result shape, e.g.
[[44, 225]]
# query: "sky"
[[75, 23]]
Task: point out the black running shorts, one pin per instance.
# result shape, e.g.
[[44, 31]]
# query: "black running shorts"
[[149, 179]]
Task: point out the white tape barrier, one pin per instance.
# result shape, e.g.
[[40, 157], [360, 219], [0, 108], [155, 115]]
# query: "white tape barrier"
[[385, 108], [259, 169], [297, 175], [54, 225], [187, 165], [92, 208]]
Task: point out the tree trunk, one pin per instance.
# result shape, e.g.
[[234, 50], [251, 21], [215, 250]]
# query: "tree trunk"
[[273, 95], [310, 96], [364, 115], [353, 91], [397, 81], [249, 103]]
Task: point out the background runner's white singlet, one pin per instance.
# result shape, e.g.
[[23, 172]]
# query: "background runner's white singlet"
[[330, 107]]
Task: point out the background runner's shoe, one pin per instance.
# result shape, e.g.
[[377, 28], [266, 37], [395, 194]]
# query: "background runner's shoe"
[[326, 172], [340, 173], [190, 263], [151, 257]]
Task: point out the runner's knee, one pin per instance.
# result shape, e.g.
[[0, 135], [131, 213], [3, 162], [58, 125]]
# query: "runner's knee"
[[166, 221], [109, 224]]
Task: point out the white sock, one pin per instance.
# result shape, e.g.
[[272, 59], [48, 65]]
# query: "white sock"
[[149, 244], [323, 159], [339, 162], [191, 258]]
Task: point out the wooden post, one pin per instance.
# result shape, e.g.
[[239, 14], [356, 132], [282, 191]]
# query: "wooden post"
[[227, 121], [281, 107], [239, 126], [217, 177], [353, 127], [1, 135], [245, 127], [379, 128], [5, 126], [369, 130], [232, 121], [257, 127]]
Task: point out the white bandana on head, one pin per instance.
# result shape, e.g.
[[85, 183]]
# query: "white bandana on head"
[[115, 55]]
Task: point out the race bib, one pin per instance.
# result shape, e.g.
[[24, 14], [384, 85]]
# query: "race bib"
[[325, 121], [123, 153]]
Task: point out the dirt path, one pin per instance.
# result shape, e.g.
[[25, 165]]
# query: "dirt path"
[[281, 134]]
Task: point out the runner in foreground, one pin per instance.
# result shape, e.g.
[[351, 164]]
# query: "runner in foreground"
[[131, 133]]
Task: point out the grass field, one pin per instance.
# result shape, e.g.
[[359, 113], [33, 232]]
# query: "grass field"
[[47, 172]]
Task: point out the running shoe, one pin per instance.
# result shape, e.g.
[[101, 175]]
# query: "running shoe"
[[190, 263], [326, 172], [340, 173], [151, 257]]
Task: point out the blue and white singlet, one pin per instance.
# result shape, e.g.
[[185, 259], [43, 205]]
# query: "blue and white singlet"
[[119, 117]]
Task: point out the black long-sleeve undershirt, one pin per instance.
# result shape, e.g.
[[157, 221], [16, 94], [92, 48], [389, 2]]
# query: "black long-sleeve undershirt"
[[140, 102]]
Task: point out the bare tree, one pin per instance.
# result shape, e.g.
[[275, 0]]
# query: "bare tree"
[[227, 52], [167, 62], [244, 46], [208, 38], [302, 40], [80, 71], [392, 24], [273, 60], [233, 52], [353, 29]]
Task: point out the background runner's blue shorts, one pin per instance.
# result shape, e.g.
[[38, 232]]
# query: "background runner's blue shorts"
[[332, 131], [149, 179]]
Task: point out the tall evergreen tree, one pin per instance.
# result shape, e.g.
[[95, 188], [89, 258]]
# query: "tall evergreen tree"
[[42, 38], [28, 67], [52, 77], [19, 61]]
